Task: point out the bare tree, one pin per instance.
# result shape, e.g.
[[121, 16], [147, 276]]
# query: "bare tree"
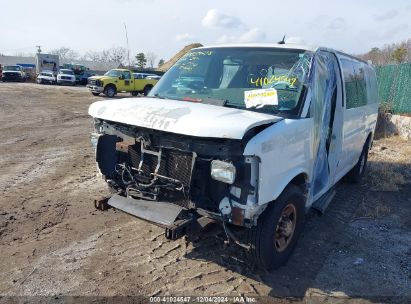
[[93, 56], [66, 54], [117, 55], [151, 58]]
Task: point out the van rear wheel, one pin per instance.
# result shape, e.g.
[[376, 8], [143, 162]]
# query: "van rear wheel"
[[278, 228], [356, 173]]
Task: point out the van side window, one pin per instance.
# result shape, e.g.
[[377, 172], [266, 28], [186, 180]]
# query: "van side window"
[[360, 83], [350, 84]]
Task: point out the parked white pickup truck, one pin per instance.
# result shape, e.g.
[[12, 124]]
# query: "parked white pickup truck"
[[251, 136], [13, 73], [46, 77]]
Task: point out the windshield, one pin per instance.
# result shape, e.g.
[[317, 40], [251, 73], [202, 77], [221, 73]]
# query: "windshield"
[[269, 80], [46, 74], [67, 72], [12, 68], [113, 73]]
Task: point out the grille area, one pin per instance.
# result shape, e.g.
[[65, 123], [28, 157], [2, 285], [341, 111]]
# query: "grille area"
[[174, 163], [11, 75]]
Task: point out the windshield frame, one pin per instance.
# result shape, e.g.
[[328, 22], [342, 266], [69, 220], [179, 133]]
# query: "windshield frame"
[[200, 97]]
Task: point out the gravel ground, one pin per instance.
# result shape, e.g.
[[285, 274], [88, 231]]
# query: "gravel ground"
[[54, 243]]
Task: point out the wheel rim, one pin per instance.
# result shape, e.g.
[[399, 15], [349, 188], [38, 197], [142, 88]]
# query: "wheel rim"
[[110, 92], [285, 229]]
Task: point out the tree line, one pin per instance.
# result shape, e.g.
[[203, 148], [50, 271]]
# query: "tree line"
[[394, 53], [118, 56]]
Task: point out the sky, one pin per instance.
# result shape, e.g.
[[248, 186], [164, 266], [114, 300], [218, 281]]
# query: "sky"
[[166, 26]]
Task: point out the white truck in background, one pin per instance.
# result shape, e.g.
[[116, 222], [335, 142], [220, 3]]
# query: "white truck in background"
[[47, 62]]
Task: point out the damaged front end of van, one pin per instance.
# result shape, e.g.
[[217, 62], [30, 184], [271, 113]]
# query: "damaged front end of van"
[[219, 138], [170, 166]]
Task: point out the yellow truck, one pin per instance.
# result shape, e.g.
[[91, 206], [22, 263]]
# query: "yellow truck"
[[120, 80]]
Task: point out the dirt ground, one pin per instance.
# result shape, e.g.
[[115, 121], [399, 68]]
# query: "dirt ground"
[[53, 241]]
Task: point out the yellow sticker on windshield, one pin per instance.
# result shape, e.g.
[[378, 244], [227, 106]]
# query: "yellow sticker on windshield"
[[259, 98]]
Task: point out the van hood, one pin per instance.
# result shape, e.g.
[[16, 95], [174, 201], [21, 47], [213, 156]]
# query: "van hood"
[[181, 117]]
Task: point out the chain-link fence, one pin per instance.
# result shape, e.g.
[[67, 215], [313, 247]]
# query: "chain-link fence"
[[394, 87]]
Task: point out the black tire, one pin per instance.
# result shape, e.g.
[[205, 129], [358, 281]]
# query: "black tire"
[[95, 94], [4, 80], [265, 249], [134, 93], [147, 90], [110, 91], [357, 172]]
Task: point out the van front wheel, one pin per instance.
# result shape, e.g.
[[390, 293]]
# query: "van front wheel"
[[278, 228]]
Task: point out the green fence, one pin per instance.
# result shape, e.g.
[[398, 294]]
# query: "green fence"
[[394, 86]]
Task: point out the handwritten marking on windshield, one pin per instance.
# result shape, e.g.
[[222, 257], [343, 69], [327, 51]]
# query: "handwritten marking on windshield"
[[264, 81]]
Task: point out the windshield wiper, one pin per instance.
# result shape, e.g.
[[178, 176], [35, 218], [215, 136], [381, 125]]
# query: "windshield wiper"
[[232, 105], [156, 96]]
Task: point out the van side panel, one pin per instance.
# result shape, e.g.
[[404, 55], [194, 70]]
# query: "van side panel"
[[285, 150], [360, 109]]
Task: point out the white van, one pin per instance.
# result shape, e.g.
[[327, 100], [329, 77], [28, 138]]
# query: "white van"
[[251, 136]]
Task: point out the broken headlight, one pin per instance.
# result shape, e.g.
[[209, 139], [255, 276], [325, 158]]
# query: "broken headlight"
[[223, 171]]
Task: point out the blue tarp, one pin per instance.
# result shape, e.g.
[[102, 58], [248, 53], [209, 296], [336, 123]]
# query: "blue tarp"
[[27, 65]]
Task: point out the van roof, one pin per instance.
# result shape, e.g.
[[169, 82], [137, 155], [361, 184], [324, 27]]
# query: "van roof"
[[265, 45], [293, 46]]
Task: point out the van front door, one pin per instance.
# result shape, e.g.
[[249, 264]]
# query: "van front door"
[[354, 114], [326, 111], [335, 139]]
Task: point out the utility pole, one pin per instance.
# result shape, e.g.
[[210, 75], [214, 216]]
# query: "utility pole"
[[38, 49], [128, 49]]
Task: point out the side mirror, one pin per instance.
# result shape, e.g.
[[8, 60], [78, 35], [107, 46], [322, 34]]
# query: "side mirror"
[[121, 77]]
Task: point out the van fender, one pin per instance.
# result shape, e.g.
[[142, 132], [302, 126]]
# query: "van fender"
[[285, 151], [283, 183]]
